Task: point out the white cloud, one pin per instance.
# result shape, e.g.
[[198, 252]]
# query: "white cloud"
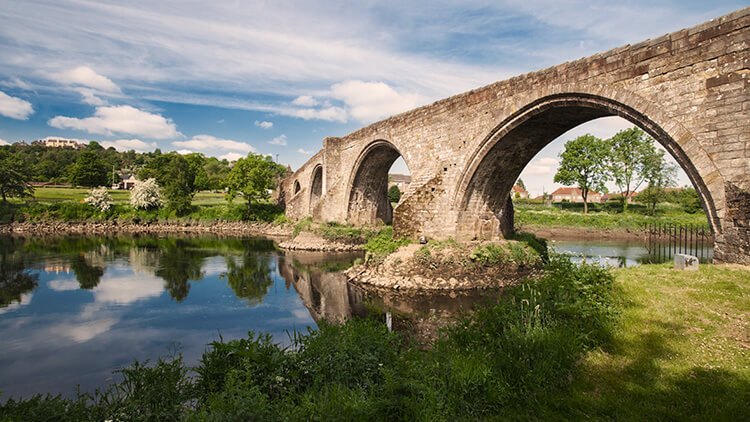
[[90, 97], [264, 124], [305, 101], [541, 166], [4, 142], [279, 140], [304, 151], [331, 114], [130, 144], [120, 120], [185, 151], [86, 77], [231, 156], [14, 107], [212, 143], [63, 285], [369, 101], [15, 82]]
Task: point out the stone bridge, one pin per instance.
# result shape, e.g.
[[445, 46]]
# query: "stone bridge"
[[687, 89]]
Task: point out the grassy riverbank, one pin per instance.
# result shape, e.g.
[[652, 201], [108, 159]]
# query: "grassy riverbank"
[[580, 342], [601, 216]]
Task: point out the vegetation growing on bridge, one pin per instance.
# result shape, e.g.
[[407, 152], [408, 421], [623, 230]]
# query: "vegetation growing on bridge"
[[579, 342]]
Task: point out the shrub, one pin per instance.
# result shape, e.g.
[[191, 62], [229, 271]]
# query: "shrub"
[[146, 195], [381, 245], [99, 198]]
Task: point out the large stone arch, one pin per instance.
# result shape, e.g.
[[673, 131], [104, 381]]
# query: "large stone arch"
[[481, 195], [368, 186]]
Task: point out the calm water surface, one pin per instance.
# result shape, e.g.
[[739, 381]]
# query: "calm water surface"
[[73, 309]]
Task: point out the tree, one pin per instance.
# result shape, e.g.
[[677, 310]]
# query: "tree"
[[584, 163], [253, 177], [197, 164], [14, 178], [660, 175], [88, 170], [394, 194], [177, 181], [632, 154]]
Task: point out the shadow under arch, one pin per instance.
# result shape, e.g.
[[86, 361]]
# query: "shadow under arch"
[[368, 185], [316, 186], [482, 192]]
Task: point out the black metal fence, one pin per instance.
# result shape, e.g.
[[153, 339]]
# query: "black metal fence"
[[663, 241]]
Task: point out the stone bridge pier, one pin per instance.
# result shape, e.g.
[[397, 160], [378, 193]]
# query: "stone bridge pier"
[[688, 90]]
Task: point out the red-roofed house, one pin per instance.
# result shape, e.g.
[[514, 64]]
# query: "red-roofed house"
[[519, 192], [574, 195]]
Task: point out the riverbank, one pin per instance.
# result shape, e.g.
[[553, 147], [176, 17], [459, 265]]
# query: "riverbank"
[[273, 230]]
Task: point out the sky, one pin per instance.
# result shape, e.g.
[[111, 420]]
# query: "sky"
[[226, 78]]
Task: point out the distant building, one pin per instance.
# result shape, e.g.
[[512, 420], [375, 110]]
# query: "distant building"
[[519, 192], [59, 143], [401, 180], [126, 184], [568, 194]]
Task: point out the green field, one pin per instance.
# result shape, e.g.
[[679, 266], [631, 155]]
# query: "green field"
[[50, 195], [571, 215]]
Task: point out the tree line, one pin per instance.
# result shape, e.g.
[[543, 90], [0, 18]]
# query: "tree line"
[[629, 159], [178, 176]]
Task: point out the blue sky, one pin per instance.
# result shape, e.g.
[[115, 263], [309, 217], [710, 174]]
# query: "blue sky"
[[229, 77]]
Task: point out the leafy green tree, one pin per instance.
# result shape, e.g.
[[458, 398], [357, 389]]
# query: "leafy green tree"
[[253, 177], [660, 175], [89, 170], [14, 177], [217, 172], [177, 182], [584, 164], [631, 160], [197, 164], [394, 194]]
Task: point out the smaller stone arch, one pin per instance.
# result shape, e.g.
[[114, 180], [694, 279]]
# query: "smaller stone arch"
[[368, 186], [316, 186], [297, 187]]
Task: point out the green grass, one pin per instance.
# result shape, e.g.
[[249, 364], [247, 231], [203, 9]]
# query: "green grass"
[[681, 350], [601, 217], [53, 195]]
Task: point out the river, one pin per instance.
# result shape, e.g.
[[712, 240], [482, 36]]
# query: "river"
[[73, 308]]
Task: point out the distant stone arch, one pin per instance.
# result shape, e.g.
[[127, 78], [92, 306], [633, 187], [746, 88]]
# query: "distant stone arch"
[[297, 187], [316, 186]]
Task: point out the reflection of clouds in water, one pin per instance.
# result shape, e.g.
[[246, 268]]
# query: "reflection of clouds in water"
[[214, 266], [124, 289], [143, 260], [63, 285], [25, 300], [81, 331]]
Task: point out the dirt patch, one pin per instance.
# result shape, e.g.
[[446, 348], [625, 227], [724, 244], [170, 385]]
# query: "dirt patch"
[[575, 233]]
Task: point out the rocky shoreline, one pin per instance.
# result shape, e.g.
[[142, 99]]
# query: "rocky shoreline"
[[105, 228], [307, 241]]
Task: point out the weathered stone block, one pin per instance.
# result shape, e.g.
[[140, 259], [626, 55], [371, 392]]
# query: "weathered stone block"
[[686, 262]]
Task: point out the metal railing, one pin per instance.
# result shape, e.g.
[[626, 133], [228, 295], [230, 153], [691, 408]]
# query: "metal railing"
[[664, 240]]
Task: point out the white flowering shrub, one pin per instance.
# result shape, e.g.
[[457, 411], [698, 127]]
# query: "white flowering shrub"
[[146, 195], [99, 198]]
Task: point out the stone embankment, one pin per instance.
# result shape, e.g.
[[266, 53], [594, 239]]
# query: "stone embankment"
[[309, 241], [105, 228]]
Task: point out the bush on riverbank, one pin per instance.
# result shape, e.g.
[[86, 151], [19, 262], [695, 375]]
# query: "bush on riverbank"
[[499, 362]]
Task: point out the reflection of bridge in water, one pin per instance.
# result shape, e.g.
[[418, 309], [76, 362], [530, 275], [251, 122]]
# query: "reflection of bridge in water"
[[329, 296]]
